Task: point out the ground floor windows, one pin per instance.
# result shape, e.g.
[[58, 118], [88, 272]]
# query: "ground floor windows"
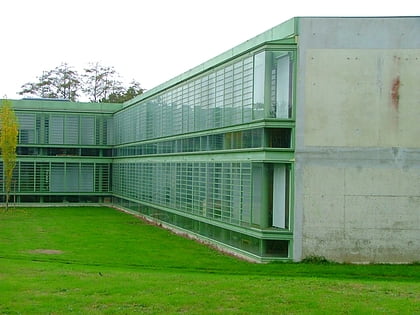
[[60, 177], [271, 195], [280, 205], [219, 191], [48, 198], [259, 247], [244, 194]]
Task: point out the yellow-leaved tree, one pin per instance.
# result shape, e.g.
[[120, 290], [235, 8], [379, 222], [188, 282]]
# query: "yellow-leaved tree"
[[8, 142]]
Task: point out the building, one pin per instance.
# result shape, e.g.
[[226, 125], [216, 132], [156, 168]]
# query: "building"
[[301, 141]]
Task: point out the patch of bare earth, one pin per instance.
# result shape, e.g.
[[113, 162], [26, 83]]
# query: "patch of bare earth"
[[46, 251]]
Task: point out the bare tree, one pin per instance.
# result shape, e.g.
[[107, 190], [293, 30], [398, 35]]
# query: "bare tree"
[[100, 81]]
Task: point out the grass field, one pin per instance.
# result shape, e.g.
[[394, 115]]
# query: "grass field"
[[101, 261]]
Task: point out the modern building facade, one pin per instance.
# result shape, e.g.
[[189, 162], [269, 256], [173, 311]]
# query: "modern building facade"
[[301, 141]]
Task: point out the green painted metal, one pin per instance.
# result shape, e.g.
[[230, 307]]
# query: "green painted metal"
[[52, 105]]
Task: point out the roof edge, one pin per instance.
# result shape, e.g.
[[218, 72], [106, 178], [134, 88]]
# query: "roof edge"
[[284, 30]]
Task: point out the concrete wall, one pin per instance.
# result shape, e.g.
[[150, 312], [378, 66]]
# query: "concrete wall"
[[357, 187]]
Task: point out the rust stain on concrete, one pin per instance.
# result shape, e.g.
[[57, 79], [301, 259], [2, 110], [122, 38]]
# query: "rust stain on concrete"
[[395, 92]]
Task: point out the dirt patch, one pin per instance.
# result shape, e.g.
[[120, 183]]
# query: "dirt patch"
[[46, 251]]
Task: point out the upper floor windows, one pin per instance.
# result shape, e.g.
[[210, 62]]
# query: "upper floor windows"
[[249, 88], [65, 129], [273, 85]]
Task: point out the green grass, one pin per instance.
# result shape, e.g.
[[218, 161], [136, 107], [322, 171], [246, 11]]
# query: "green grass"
[[108, 262]]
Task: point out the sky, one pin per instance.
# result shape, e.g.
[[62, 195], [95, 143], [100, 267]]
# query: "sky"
[[148, 41]]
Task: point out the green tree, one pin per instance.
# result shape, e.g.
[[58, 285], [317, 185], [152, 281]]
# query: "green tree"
[[8, 142], [98, 82], [124, 95], [61, 82]]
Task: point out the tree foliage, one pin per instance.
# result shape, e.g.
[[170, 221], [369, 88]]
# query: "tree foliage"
[[61, 82], [8, 142], [98, 83], [125, 94]]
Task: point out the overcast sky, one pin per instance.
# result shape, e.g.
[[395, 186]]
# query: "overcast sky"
[[149, 41]]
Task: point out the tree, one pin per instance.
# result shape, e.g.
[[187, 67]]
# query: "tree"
[[125, 94], [100, 81], [8, 141], [61, 82]]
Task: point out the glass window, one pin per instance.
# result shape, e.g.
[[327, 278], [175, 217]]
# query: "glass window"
[[71, 130], [271, 184], [259, 84], [279, 137], [56, 131], [281, 84], [26, 127], [87, 130]]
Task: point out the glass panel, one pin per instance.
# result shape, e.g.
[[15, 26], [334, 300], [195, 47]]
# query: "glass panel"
[[26, 127], [56, 132], [87, 130], [258, 192], [71, 130], [259, 85], [26, 177], [283, 87], [279, 196], [72, 177], [57, 178], [279, 137], [220, 97], [86, 178], [279, 65]]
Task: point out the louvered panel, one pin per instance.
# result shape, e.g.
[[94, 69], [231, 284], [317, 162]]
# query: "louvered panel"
[[57, 180], [71, 130], [72, 177], [86, 178], [56, 129], [87, 129], [27, 124]]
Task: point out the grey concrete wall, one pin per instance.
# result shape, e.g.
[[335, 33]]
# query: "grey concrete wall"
[[357, 186]]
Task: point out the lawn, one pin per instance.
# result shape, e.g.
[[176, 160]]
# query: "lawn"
[[101, 261]]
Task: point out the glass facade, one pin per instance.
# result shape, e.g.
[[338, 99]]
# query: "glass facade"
[[220, 191], [62, 155], [211, 154], [221, 97], [195, 155], [64, 128]]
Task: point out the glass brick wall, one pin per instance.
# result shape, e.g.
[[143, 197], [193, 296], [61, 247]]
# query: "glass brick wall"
[[64, 128], [62, 156], [220, 191], [232, 94], [75, 177], [221, 97]]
